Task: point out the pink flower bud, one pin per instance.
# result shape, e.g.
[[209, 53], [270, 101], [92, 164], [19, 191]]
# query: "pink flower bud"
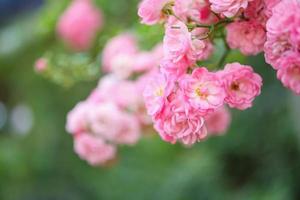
[[79, 24]]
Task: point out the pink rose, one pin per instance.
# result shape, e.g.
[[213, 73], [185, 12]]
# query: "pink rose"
[[77, 121], [275, 48], [156, 92], [112, 89], [270, 4], [260, 11], [201, 49], [105, 120], [125, 94], [197, 10], [96, 96], [93, 149], [203, 90], [229, 8], [248, 36], [79, 24], [109, 122], [241, 84], [217, 122], [178, 43], [151, 11], [179, 123], [129, 130], [145, 61], [283, 41], [107, 82], [122, 65], [141, 83], [119, 55], [173, 71], [289, 72]]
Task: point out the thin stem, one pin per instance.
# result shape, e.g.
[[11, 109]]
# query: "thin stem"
[[203, 26], [216, 15], [211, 27], [225, 21], [225, 54], [223, 58]]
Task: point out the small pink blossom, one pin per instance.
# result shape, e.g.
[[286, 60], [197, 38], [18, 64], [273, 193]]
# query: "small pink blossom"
[[197, 10], [257, 12], [143, 80], [151, 11], [79, 24], [112, 89], [241, 84], [125, 94], [203, 90], [122, 65], [105, 120], [201, 49], [107, 117], [289, 72], [107, 82], [93, 149], [270, 4], [156, 92], [77, 121], [144, 61], [129, 130], [178, 123], [180, 51], [229, 8], [178, 43], [103, 92], [248, 36], [141, 84], [275, 48], [119, 54], [218, 122], [173, 70], [40, 64]]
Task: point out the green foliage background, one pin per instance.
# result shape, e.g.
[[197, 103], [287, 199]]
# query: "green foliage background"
[[259, 158]]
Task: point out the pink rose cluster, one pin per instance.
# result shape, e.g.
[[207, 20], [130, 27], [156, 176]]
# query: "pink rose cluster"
[[188, 107], [104, 120], [79, 24], [169, 85], [282, 49], [270, 28], [182, 98], [114, 113], [246, 32], [187, 103]]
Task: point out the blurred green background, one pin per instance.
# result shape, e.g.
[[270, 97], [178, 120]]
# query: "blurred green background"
[[259, 157]]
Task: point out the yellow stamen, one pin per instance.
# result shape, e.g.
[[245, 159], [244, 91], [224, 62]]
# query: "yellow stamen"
[[200, 94], [159, 92]]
